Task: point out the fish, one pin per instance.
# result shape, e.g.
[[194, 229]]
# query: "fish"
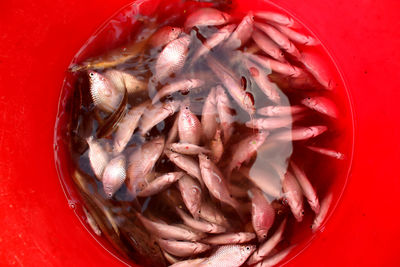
[[206, 17], [141, 161], [327, 152], [200, 225], [172, 58], [262, 213], [209, 212], [306, 186], [275, 17], [244, 99], [275, 258], [182, 248], [216, 146], [104, 94], [245, 149], [164, 36], [265, 248], [157, 113], [278, 111], [294, 195], [123, 80], [168, 231], [189, 126], [188, 149], [279, 67], [114, 175], [270, 123], [322, 105], [296, 36], [216, 184], [270, 89], [242, 33], [160, 184], [209, 116], [229, 256], [317, 67], [98, 157], [225, 112], [299, 133], [213, 41], [279, 38], [183, 85], [92, 223], [127, 126], [230, 238], [323, 212], [173, 132], [186, 163], [191, 194], [267, 45]]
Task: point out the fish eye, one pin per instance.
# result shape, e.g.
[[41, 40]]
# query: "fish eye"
[[248, 248], [91, 74], [173, 29], [186, 107]]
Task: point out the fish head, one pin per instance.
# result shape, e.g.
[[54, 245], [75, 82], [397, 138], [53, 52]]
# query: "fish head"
[[103, 92], [246, 251], [174, 32]]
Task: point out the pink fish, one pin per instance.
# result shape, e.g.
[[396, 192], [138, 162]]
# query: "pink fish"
[[268, 46], [184, 85], [156, 114], [294, 195], [306, 186], [231, 83], [276, 66], [269, 88], [279, 38], [322, 105], [270, 123], [229, 256], [209, 212], [189, 126], [317, 67], [188, 149], [209, 116], [160, 184], [104, 94], [262, 213], [127, 126], [323, 212], [217, 147], [167, 231], [215, 39], [300, 133], [206, 17], [141, 161], [230, 238], [191, 194], [266, 248], [164, 36], [182, 248], [226, 113], [297, 36], [186, 163], [245, 149], [199, 224], [327, 152], [272, 111], [173, 132], [275, 259], [172, 58], [216, 183], [242, 33], [276, 18], [98, 157], [123, 80], [114, 175]]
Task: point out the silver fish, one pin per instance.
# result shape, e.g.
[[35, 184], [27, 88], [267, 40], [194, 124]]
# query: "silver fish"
[[182, 248], [156, 114], [98, 157], [229, 256], [114, 175], [191, 194]]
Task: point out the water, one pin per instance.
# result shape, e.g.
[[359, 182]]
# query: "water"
[[122, 234]]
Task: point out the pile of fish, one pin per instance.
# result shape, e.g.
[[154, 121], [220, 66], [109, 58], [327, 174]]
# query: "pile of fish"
[[179, 142]]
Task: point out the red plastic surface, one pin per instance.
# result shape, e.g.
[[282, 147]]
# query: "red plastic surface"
[[37, 42]]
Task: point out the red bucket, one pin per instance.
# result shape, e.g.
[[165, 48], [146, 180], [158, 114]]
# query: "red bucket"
[[39, 39]]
